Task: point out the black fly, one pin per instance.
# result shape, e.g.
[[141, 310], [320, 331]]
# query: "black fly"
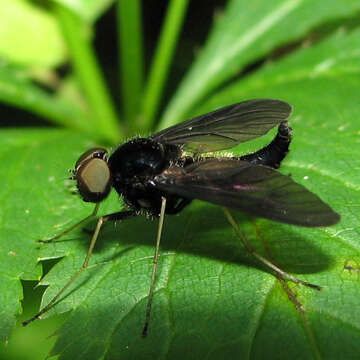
[[163, 173]]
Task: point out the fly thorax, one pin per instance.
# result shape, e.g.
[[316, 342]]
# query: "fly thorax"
[[136, 161]]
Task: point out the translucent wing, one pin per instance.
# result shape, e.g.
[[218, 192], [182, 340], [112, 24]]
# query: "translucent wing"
[[255, 189], [225, 128]]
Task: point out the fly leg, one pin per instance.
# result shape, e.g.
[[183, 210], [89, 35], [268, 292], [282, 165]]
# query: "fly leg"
[[111, 217], [55, 238], [155, 261], [249, 248]]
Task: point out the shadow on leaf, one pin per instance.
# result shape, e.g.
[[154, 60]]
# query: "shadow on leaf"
[[203, 230]]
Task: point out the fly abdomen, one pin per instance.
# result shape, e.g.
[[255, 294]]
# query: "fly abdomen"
[[272, 154]]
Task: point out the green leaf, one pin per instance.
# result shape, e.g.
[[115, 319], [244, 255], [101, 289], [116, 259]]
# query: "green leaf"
[[212, 299], [32, 164], [245, 32], [30, 36], [210, 293], [89, 10]]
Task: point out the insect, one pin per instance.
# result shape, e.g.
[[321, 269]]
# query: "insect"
[[163, 173]]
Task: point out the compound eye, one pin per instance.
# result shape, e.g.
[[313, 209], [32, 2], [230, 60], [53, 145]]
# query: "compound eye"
[[97, 152], [93, 179]]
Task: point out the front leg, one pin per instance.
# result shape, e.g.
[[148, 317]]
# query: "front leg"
[[122, 215]]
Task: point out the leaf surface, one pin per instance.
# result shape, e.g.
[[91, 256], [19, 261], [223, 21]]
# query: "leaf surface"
[[212, 300], [210, 293]]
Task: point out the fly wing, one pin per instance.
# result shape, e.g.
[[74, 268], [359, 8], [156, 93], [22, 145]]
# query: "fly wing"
[[255, 189], [225, 128]]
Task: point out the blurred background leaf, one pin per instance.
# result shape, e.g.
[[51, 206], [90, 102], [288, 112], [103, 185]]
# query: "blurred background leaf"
[[244, 33], [89, 10], [30, 35]]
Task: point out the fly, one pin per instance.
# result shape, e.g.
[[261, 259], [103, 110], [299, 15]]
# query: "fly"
[[163, 173]]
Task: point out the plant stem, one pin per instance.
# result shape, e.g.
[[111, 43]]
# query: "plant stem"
[[88, 73], [162, 61], [131, 57]]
